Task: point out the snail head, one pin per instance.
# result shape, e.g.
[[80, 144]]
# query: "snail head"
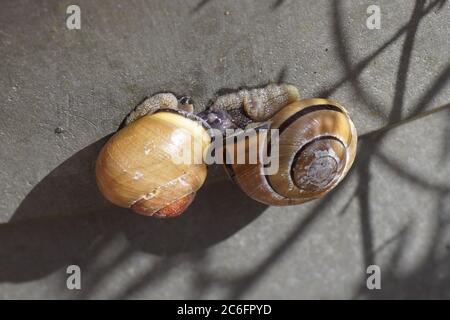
[[219, 120]]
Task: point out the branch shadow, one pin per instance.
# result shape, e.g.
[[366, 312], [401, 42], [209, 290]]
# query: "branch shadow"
[[65, 219], [430, 279], [371, 144], [401, 286], [354, 71]]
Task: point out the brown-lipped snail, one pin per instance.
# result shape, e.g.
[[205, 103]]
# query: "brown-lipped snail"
[[136, 167], [313, 148], [315, 143]]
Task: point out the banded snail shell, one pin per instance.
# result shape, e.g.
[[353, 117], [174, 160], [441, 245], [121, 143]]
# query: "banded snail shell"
[[317, 146], [135, 169]]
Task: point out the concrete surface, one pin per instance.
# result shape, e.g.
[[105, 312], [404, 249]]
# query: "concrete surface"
[[393, 210]]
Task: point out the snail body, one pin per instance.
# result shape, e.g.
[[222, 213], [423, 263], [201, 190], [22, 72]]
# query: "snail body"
[[136, 167], [239, 109]]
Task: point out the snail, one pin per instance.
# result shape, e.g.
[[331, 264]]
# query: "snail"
[[136, 168], [315, 147], [316, 143]]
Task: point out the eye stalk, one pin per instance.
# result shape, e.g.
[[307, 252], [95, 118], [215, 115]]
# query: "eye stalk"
[[185, 100]]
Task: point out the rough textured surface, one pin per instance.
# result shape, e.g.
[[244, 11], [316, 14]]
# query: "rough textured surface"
[[62, 91]]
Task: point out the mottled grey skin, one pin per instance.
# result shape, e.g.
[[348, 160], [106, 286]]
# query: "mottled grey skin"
[[230, 111], [219, 120], [246, 108], [258, 104], [157, 102]]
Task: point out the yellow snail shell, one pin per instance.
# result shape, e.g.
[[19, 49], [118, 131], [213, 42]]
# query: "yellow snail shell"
[[135, 168], [317, 146]]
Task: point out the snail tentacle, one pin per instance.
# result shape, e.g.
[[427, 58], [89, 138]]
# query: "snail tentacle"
[[152, 104], [261, 104]]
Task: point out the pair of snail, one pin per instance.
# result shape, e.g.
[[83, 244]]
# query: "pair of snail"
[[316, 147]]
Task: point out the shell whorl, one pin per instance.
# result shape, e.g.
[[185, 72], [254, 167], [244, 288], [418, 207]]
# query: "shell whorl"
[[318, 164], [316, 145], [136, 168]]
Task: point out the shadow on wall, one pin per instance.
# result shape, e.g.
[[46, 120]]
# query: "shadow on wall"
[[65, 219], [430, 279]]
